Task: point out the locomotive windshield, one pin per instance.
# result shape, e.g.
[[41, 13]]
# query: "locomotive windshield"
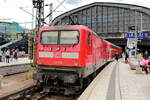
[[60, 37], [50, 37]]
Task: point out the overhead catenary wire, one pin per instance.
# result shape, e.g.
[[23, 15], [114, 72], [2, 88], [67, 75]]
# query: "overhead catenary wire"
[[54, 9], [62, 5], [26, 11], [17, 5], [22, 8]]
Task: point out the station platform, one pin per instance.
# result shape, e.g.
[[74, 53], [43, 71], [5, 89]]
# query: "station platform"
[[15, 62], [118, 82], [16, 66]]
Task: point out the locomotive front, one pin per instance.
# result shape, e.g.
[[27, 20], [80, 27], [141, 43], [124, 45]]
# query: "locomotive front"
[[59, 59]]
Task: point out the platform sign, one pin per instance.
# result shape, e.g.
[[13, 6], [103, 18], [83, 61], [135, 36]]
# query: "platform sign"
[[142, 35], [136, 35]]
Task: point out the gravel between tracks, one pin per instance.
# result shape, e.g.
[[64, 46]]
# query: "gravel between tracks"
[[14, 83]]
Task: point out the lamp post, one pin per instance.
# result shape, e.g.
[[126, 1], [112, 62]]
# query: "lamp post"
[[50, 11], [32, 18]]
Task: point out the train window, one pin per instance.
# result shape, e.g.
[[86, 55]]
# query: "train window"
[[50, 37], [89, 39], [69, 37]]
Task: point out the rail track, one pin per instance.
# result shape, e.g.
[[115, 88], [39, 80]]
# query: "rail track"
[[16, 95], [51, 96], [35, 93], [56, 97]]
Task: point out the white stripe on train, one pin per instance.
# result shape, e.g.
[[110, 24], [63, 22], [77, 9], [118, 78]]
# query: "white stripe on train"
[[64, 55]]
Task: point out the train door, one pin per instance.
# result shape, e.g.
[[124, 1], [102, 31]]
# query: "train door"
[[94, 47], [89, 58]]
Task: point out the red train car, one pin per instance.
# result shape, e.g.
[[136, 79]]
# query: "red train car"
[[68, 55], [113, 49]]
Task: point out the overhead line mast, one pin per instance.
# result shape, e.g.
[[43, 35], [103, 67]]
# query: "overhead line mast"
[[40, 21], [39, 5]]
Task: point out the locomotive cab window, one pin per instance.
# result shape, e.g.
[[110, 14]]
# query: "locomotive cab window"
[[49, 37], [60, 37], [69, 37]]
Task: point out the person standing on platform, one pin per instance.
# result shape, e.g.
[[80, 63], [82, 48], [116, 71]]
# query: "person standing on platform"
[[16, 54], [126, 57], [139, 57], [1, 54], [11, 55], [146, 55], [117, 56], [7, 56], [144, 64], [4, 56]]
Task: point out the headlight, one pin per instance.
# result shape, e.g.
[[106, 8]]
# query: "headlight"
[[76, 64]]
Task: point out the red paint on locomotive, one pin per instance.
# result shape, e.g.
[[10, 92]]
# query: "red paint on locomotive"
[[89, 49]]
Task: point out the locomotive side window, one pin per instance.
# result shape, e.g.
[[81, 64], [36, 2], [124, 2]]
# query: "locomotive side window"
[[89, 39], [69, 37], [50, 37]]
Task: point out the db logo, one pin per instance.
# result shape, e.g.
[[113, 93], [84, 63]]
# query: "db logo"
[[57, 55]]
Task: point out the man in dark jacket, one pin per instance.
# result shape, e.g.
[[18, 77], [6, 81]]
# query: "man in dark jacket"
[[126, 57], [116, 56]]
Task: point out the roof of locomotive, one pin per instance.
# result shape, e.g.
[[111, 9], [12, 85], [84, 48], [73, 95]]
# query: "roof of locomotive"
[[69, 27], [65, 27]]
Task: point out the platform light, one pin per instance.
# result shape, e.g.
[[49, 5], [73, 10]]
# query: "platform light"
[[40, 62]]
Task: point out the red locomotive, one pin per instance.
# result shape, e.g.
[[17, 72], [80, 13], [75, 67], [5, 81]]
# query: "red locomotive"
[[67, 55]]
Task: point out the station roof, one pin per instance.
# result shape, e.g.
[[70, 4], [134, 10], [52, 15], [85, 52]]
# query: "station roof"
[[108, 4]]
